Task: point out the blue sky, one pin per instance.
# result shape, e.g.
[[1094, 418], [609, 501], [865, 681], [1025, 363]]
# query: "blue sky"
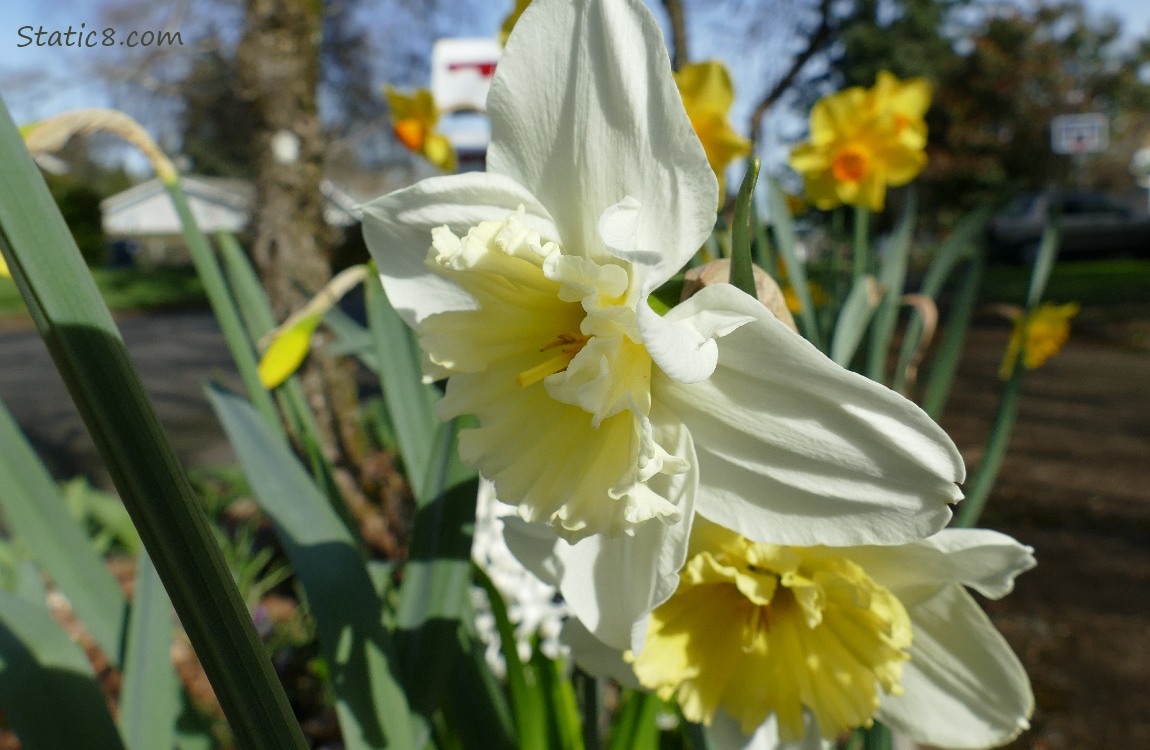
[[38, 82]]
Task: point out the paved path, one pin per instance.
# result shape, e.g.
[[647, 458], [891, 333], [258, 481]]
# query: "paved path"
[[175, 354]]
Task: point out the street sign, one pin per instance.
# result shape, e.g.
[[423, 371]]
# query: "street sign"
[[1080, 134]]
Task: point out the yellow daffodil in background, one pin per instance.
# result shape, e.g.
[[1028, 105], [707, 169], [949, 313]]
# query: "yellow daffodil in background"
[[707, 96], [511, 20], [767, 644], [862, 141], [1040, 335], [413, 118], [4, 272], [905, 101], [819, 297], [603, 422], [795, 305]]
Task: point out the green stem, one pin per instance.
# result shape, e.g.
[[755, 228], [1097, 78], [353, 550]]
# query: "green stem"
[[978, 491], [861, 254], [878, 737], [949, 352], [224, 307]]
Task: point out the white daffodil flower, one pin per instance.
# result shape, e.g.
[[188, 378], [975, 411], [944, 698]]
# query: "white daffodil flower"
[[779, 648], [602, 421]]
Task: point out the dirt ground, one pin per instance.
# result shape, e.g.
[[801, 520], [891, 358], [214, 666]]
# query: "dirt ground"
[[1075, 485]]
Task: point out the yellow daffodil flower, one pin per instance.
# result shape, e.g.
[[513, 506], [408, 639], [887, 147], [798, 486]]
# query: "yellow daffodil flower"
[[707, 96], [819, 297], [862, 141], [4, 272], [906, 102], [795, 305], [603, 422], [1040, 335], [413, 118], [512, 18], [803, 644]]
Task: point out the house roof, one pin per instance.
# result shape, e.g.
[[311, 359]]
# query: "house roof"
[[217, 204]]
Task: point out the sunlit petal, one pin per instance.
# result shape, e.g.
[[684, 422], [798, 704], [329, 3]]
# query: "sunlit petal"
[[782, 433], [584, 112]]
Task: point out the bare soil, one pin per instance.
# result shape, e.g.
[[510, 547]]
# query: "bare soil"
[[1076, 486]]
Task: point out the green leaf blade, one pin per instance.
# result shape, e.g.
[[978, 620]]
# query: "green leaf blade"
[[150, 696], [372, 708], [48, 692]]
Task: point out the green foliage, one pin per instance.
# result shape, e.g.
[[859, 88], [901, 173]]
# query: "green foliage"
[[79, 204], [38, 660], [124, 289]]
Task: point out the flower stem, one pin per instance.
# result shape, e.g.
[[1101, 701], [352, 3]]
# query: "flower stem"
[[861, 253]]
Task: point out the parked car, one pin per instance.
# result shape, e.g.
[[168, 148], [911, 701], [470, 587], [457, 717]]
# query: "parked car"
[[1093, 225]]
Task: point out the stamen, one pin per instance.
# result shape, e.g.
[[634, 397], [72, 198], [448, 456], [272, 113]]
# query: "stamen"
[[568, 344]]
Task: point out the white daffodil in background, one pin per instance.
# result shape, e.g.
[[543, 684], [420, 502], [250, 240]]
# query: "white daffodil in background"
[[606, 424], [532, 605]]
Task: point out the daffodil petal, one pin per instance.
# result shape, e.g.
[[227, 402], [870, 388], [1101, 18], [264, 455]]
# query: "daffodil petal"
[[4, 272], [708, 85], [594, 656], [986, 561], [964, 687], [612, 583], [584, 112], [796, 450], [398, 232], [684, 350], [287, 352], [726, 734]]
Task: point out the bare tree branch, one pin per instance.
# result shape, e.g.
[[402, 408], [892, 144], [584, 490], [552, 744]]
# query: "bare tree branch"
[[679, 55], [817, 41]]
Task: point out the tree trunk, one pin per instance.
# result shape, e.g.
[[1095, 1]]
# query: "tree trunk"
[[278, 58]]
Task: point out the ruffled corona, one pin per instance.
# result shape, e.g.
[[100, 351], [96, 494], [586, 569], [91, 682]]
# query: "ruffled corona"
[[759, 629], [553, 342]]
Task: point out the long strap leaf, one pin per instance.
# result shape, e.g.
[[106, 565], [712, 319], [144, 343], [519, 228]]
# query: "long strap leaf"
[[48, 692], [150, 697], [94, 363], [35, 512], [372, 709]]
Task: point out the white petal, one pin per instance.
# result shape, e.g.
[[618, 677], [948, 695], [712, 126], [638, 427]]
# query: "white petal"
[[726, 734], [584, 112], [686, 349], [964, 687], [794, 449], [398, 227], [612, 583], [594, 656], [987, 561]]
